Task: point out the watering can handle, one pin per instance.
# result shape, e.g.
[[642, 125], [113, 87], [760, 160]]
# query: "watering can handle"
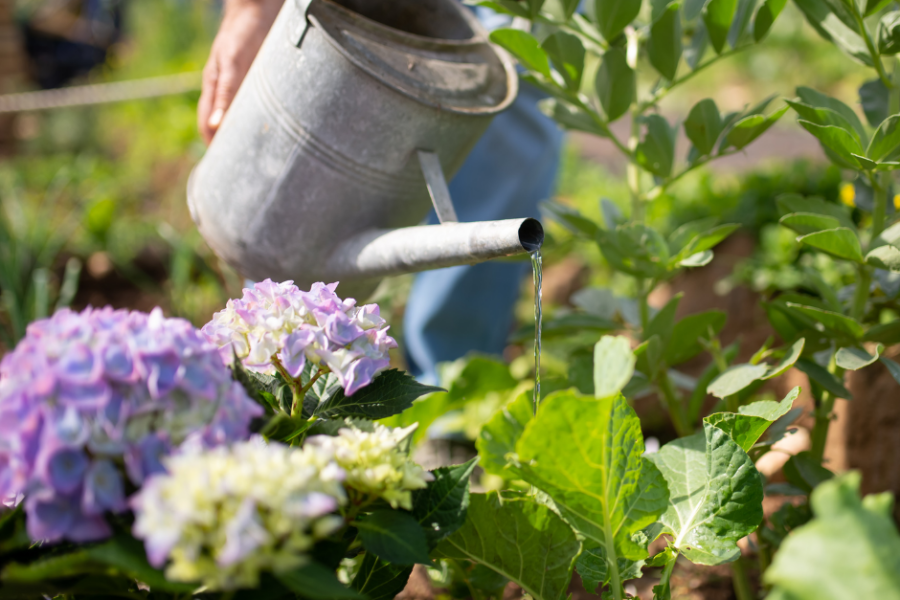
[[437, 186], [298, 29]]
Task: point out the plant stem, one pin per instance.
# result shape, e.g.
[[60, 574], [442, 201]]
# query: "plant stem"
[[615, 582], [894, 95], [876, 58], [657, 191], [674, 405], [740, 581], [665, 578], [824, 406], [662, 92], [861, 294], [880, 199]]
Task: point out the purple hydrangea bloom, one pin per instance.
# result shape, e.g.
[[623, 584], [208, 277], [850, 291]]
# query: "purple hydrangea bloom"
[[91, 400], [275, 325]]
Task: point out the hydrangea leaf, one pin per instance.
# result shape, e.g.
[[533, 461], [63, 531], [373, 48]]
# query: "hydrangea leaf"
[[747, 426], [499, 436], [394, 536], [587, 455], [613, 365], [851, 549], [518, 538], [380, 580], [593, 568], [716, 495], [317, 582], [441, 507], [390, 393]]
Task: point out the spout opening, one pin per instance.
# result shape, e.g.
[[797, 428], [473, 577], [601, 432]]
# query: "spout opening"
[[531, 235]]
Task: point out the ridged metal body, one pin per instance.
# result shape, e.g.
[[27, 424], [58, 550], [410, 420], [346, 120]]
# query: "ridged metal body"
[[320, 144]]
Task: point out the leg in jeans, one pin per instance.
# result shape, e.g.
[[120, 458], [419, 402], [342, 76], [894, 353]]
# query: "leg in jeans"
[[458, 310]]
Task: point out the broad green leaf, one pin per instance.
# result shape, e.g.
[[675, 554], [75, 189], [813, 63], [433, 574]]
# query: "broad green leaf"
[[854, 359], [703, 126], [717, 15], [663, 322], [846, 551], [586, 454], [656, 151], [499, 436], [688, 331], [735, 379], [441, 507], [571, 117], [524, 47], [569, 7], [567, 54], [747, 129], [892, 367], [788, 361], [699, 42], [873, 6], [129, 556], [687, 233], [394, 536], [664, 46], [833, 321], [612, 215], [874, 98], [615, 82], [821, 115], [795, 203], [888, 35], [570, 218], [710, 239], [823, 378], [765, 17], [612, 16], [747, 426], [593, 568], [840, 242], [649, 356], [509, 7], [885, 140], [390, 393], [380, 580], [613, 365], [317, 582], [524, 541], [816, 98], [885, 257], [837, 139], [742, 15], [805, 472], [886, 333], [831, 26], [699, 259], [715, 495], [806, 223]]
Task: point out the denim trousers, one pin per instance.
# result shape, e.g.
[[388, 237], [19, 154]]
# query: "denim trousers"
[[455, 311]]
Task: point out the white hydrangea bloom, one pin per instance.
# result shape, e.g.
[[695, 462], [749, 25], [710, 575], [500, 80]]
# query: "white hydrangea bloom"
[[375, 463], [224, 515]]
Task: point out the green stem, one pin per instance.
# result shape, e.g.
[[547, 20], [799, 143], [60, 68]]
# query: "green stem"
[[740, 580], [633, 172], [294, 384], [615, 582], [824, 406], [662, 92], [657, 191], [873, 53], [665, 578], [861, 295], [673, 404], [880, 209], [894, 95]]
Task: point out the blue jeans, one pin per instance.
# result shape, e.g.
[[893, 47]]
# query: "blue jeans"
[[454, 311]]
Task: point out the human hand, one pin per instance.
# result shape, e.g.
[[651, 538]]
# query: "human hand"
[[243, 29]]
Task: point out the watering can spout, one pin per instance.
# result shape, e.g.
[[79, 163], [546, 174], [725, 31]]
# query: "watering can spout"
[[380, 253]]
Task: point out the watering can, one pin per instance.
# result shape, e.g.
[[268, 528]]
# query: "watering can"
[[338, 142]]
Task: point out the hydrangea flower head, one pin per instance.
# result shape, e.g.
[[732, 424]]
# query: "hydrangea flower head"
[[275, 325], [375, 462], [224, 515], [90, 399]]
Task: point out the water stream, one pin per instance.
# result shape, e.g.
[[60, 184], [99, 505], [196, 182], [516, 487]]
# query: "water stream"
[[538, 316]]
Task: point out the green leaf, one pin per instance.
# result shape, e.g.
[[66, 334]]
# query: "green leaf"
[[886, 333], [663, 323], [499, 436], [567, 54], [717, 15], [688, 331], [885, 257], [380, 580], [788, 361], [833, 321], [699, 42], [715, 495], [805, 472], [571, 117], [854, 359], [817, 99], [836, 139], [735, 379], [664, 46], [823, 378], [751, 127], [873, 6], [795, 203], [441, 507], [892, 367], [570, 218], [615, 82], [508, 7], [649, 356], [746, 427], [885, 140], [888, 35], [821, 115], [128, 556], [317, 582], [874, 98], [765, 17], [834, 27], [840, 242], [846, 551], [593, 567], [699, 259], [703, 126], [524, 47], [586, 454], [613, 365], [394, 536], [612, 16], [656, 151], [806, 223], [390, 393], [522, 540]]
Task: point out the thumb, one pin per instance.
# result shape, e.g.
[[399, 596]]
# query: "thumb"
[[226, 88]]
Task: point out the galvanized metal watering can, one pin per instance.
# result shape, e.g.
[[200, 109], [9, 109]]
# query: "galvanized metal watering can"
[[338, 141]]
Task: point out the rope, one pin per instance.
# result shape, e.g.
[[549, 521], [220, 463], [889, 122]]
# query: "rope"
[[101, 93]]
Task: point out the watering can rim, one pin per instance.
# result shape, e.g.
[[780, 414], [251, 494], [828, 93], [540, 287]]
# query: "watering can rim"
[[420, 42]]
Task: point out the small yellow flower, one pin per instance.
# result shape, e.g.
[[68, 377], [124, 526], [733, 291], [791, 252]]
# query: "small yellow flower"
[[848, 194], [896, 201]]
